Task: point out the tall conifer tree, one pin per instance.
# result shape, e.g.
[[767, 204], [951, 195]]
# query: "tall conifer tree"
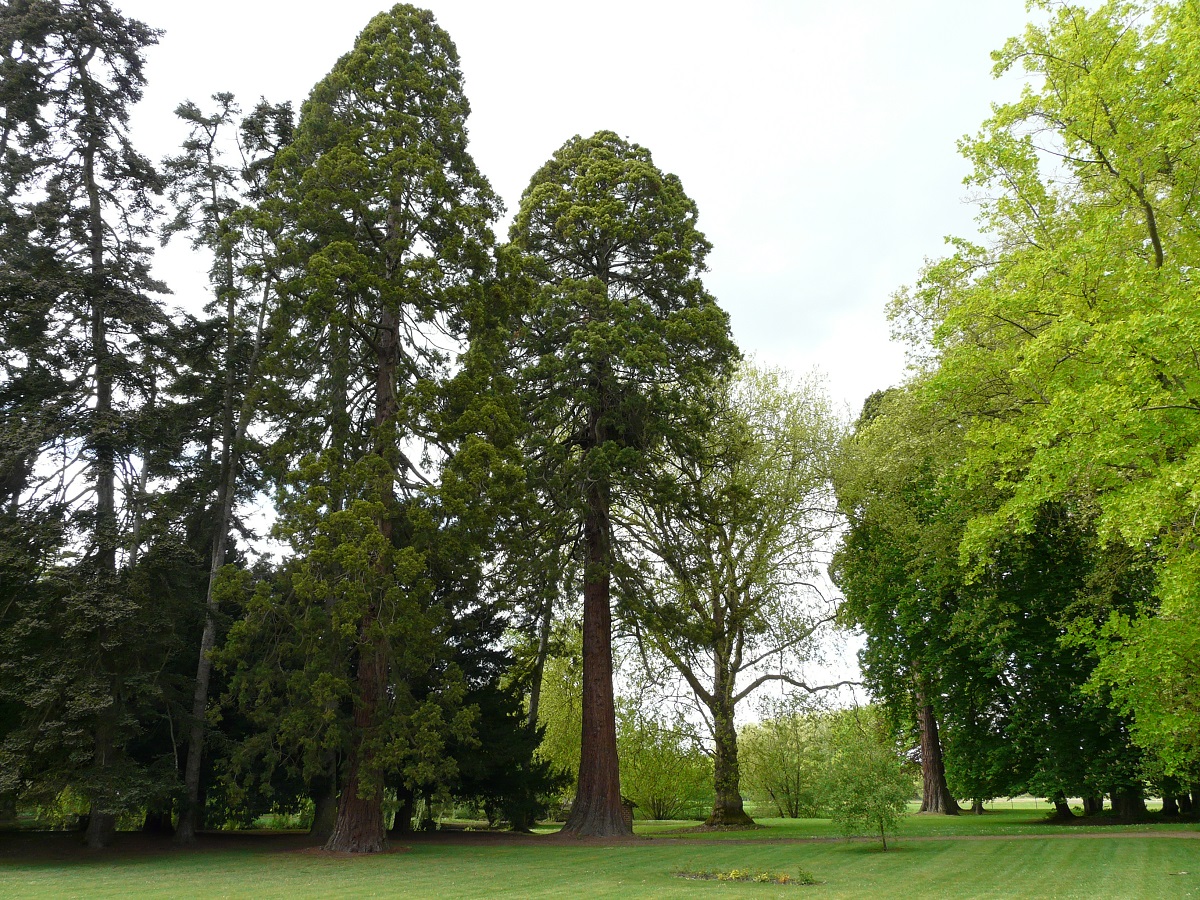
[[215, 201], [617, 359], [78, 202], [387, 244]]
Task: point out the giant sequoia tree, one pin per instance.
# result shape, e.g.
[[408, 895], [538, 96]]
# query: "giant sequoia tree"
[[387, 239], [616, 356]]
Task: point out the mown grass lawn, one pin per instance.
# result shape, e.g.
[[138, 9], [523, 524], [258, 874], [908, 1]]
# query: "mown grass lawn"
[[997, 822], [1073, 866]]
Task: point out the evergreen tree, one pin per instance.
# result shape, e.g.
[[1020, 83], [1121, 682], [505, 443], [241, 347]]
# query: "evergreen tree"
[[616, 356], [77, 207], [385, 252], [215, 202]]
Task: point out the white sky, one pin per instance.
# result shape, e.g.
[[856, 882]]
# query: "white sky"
[[817, 138]]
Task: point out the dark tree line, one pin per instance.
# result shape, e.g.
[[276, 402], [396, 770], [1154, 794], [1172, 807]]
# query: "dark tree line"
[[990, 666]]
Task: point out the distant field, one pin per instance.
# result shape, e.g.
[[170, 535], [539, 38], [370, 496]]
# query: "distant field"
[[993, 860]]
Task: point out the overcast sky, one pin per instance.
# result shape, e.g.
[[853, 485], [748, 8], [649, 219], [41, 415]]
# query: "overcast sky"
[[817, 138]]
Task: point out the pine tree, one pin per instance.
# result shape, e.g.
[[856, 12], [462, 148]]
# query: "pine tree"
[[215, 202], [78, 205]]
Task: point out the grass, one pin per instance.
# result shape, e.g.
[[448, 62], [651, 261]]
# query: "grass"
[[996, 823], [1078, 865]]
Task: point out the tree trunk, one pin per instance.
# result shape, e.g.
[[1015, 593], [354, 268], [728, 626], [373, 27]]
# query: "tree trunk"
[[359, 825], [1170, 806], [1062, 810], [157, 822], [539, 666], [102, 819], [977, 807], [139, 493], [1186, 807], [597, 808], [101, 440], [935, 795], [403, 822], [8, 808], [1129, 805], [100, 829], [1093, 806], [727, 800], [325, 805], [231, 438]]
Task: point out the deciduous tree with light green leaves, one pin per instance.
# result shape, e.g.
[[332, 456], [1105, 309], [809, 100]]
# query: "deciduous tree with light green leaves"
[[1070, 339], [782, 758], [727, 590], [869, 781]]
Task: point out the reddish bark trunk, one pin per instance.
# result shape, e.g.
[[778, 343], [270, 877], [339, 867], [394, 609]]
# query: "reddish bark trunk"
[[935, 795], [359, 825], [597, 808]]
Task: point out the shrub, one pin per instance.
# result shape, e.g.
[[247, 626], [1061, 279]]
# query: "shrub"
[[782, 760], [662, 770], [869, 781]]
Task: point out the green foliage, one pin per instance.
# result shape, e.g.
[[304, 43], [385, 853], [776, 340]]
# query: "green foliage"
[[620, 344], [392, 428], [663, 771], [725, 590], [560, 712], [994, 650], [783, 760], [733, 554], [869, 781], [1067, 344], [94, 636]]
